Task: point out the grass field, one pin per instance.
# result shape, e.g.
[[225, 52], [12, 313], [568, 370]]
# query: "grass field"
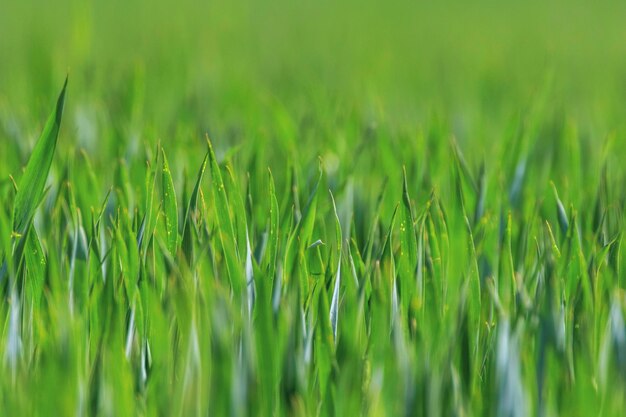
[[298, 208]]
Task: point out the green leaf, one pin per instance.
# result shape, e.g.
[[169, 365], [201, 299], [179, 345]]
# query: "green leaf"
[[226, 230], [301, 236], [33, 181], [334, 305], [241, 227], [190, 211], [35, 267], [170, 207], [408, 245], [560, 211], [274, 219]]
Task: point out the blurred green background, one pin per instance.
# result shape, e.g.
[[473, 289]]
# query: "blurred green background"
[[171, 71], [405, 56]]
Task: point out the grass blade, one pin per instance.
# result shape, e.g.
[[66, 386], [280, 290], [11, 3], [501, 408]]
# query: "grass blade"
[[34, 179], [408, 245], [170, 207], [274, 221], [334, 304], [191, 209], [225, 225]]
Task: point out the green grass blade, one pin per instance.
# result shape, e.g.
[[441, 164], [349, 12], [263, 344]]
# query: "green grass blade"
[[560, 212], [334, 304], [407, 264], [239, 217], [271, 253], [301, 236], [34, 179], [170, 207], [35, 260], [225, 225], [190, 211], [241, 228]]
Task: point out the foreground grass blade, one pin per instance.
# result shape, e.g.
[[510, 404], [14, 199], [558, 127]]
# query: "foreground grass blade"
[[34, 179], [301, 236], [408, 246], [170, 207], [271, 254], [226, 229], [191, 210], [334, 304], [35, 261], [560, 211], [241, 229]]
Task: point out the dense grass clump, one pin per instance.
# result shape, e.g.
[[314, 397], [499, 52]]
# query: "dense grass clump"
[[280, 214]]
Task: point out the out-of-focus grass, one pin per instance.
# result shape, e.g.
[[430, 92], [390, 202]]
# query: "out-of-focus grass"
[[170, 66], [467, 260]]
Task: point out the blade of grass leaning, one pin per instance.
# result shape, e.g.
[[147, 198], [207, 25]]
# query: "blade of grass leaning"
[[33, 181]]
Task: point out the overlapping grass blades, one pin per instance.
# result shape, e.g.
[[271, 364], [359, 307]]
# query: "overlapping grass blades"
[[461, 285]]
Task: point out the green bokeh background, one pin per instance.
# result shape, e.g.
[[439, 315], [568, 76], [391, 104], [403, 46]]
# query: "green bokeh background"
[[321, 72], [224, 59]]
